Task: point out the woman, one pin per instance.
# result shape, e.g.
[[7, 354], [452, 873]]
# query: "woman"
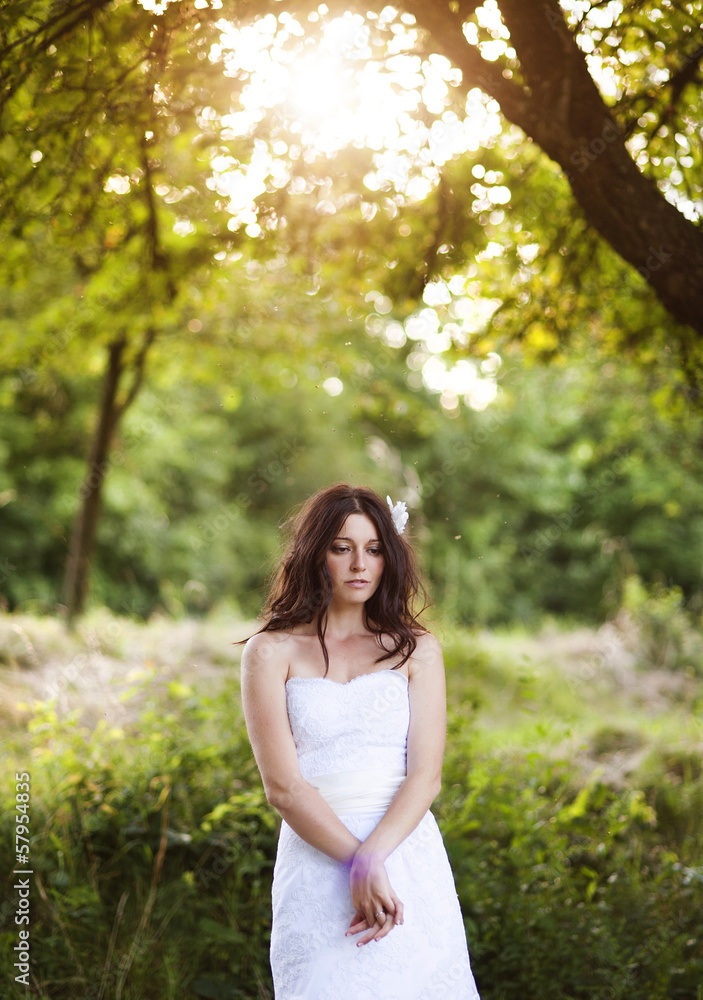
[[344, 700]]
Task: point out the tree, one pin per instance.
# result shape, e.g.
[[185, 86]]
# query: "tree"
[[83, 147], [114, 118], [540, 78], [547, 90], [630, 153]]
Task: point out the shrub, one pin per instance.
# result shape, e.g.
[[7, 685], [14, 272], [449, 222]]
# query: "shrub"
[[572, 892], [153, 848]]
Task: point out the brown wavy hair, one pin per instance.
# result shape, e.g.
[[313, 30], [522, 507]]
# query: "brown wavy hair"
[[302, 589]]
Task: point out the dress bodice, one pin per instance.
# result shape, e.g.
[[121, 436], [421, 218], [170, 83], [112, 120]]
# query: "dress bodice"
[[348, 727]]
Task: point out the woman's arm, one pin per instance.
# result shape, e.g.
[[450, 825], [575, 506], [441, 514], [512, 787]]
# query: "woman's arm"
[[264, 670], [426, 739], [425, 751]]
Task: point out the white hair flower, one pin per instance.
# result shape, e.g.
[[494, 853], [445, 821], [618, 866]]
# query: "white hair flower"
[[399, 513]]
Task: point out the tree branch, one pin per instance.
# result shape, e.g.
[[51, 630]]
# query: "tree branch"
[[137, 373], [445, 30], [90, 7]]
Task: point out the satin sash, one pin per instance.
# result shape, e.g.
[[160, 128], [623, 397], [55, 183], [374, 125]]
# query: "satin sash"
[[368, 791]]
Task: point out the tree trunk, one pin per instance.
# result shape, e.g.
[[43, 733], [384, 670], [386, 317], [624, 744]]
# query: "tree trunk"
[[557, 104], [85, 524], [569, 119]]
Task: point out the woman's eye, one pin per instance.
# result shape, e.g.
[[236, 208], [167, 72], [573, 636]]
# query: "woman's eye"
[[339, 549]]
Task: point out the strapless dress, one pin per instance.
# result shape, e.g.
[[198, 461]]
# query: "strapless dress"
[[351, 743]]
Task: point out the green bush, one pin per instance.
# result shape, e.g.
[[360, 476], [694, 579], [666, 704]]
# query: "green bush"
[[153, 848], [669, 634], [572, 892], [152, 864]]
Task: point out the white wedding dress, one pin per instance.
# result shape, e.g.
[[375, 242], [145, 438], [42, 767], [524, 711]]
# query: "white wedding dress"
[[351, 744]]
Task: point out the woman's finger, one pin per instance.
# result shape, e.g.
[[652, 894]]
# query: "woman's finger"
[[376, 919], [385, 920], [360, 925], [357, 923], [371, 933], [394, 914], [385, 929], [399, 914]]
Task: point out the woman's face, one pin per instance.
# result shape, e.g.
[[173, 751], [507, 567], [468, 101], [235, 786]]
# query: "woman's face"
[[355, 560]]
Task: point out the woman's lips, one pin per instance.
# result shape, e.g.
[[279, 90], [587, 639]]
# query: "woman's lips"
[[357, 583]]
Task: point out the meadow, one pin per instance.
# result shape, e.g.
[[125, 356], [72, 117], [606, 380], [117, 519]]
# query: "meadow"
[[571, 807], [445, 250]]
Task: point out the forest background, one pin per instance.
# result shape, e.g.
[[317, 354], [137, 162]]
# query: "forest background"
[[448, 250]]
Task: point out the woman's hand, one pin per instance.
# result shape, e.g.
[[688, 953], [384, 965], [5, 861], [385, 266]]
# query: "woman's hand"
[[377, 908]]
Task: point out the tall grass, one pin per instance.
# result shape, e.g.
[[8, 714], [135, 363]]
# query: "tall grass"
[[572, 810]]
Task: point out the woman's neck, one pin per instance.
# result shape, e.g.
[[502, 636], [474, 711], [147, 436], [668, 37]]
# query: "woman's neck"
[[344, 622]]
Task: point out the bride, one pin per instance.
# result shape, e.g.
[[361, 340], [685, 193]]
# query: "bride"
[[344, 700]]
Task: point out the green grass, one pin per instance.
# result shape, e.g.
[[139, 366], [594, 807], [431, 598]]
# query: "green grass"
[[572, 810]]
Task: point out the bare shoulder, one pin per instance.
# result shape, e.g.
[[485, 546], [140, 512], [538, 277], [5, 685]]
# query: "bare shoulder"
[[428, 647], [268, 652], [427, 658]]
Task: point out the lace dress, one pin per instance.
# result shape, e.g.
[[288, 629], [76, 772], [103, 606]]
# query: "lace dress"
[[351, 744]]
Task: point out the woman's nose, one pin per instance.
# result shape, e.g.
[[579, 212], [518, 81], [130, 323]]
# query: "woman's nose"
[[358, 560]]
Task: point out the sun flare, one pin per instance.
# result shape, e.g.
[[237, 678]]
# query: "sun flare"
[[336, 87], [317, 88]]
